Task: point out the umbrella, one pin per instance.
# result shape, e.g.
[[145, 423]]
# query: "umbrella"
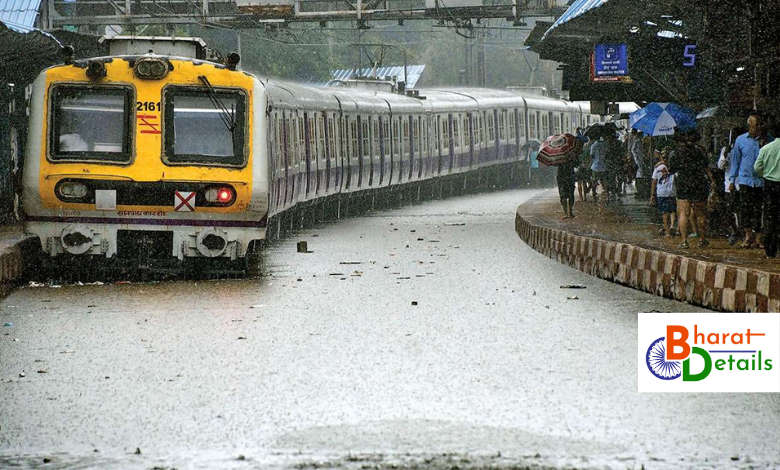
[[600, 129], [558, 149], [662, 119]]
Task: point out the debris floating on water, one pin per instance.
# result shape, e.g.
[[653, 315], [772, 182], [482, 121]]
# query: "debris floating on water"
[[573, 286]]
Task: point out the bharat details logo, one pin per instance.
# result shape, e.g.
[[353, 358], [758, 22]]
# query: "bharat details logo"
[[669, 357], [708, 352]]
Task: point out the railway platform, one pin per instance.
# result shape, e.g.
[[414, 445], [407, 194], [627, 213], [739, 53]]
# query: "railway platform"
[[620, 243]]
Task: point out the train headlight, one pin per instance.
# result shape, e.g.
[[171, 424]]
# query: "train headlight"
[[71, 190], [220, 195], [151, 68]]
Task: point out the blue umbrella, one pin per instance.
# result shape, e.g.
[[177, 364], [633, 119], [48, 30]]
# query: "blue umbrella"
[[662, 119]]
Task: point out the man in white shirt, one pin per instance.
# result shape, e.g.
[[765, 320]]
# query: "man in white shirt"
[[663, 195]]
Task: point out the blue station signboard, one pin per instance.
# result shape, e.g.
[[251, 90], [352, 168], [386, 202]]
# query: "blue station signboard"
[[609, 62]]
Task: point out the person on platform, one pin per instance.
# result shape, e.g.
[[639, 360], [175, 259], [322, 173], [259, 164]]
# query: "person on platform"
[[731, 202], [565, 180], [767, 166], [692, 177], [742, 174], [643, 171], [598, 166], [614, 157], [583, 174], [663, 195]]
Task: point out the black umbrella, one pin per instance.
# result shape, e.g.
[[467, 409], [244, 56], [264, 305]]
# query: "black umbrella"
[[600, 129]]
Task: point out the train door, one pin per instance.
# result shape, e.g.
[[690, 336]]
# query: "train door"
[[387, 149], [397, 147], [382, 134], [375, 157], [449, 162], [354, 153], [471, 137], [496, 134], [278, 159], [321, 153], [306, 167], [347, 157], [300, 179], [513, 133], [417, 148], [435, 143], [328, 148], [285, 163], [292, 152], [456, 144]]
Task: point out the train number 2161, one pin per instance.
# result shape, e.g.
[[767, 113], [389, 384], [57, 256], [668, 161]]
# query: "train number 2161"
[[147, 106]]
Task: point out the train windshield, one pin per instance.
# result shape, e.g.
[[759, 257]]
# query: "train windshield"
[[90, 123], [205, 126]]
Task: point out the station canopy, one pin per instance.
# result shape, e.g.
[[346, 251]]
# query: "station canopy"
[[656, 34], [26, 50]]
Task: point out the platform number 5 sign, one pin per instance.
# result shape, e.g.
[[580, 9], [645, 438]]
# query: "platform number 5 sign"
[[690, 55]]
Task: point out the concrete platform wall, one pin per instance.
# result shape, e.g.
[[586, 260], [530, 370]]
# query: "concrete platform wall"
[[712, 285]]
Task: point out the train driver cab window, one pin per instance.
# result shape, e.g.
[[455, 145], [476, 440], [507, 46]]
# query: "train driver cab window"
[[205, 126], [91, 123]]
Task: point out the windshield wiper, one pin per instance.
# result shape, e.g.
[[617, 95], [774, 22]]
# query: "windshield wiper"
[[228, 117]]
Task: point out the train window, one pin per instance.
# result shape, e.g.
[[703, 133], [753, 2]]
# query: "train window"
[[491, 130], [405, 127], [364, 137], [311, 137], [331, 150], [566, 127], [512, 128], [205, 126], [277, 143], [424, 145], [353, 134], [557, 121], [396, 140], [375, 137], [320, 138], [501, 125], [445, 135], [301, 140], [386, 136], [416, 135], [456, 133], [342, 128], [475, 122], [521, 123], [286, 136], [92, 123], [532, 125], [544, 127]]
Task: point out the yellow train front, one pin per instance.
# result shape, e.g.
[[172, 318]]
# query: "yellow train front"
[[146, 156]]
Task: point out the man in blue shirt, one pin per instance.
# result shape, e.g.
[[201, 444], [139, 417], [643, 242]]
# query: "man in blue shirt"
[[598, 166], [749, 184]]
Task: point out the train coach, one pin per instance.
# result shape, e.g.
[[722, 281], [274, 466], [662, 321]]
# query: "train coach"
[[168, 156]]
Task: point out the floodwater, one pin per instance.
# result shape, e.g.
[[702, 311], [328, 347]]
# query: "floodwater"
[[429, 335]]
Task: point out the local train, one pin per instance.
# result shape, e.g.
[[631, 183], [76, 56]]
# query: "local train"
[[183, 158]]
